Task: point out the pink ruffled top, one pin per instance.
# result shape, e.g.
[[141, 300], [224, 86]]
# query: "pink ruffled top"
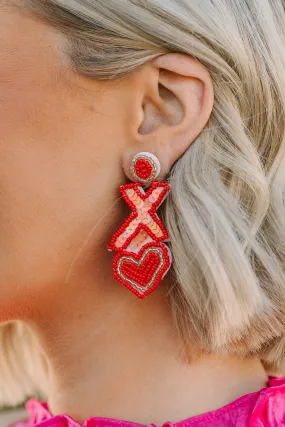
[[263, 408]]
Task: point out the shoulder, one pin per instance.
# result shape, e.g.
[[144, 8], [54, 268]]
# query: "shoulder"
[[269, 409]]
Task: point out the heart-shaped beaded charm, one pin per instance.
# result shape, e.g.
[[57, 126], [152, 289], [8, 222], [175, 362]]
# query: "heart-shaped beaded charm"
[[141, 273]]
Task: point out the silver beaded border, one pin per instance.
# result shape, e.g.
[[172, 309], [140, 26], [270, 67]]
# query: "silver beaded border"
[[141, 289], [154, 163]]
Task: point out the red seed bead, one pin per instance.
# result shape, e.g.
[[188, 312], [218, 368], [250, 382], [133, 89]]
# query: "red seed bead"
[[143, 168]]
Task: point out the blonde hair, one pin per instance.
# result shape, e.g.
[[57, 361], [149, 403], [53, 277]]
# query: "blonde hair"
[[226, 213]]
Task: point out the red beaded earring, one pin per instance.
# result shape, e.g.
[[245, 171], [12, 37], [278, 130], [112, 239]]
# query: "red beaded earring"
[[142, 259]]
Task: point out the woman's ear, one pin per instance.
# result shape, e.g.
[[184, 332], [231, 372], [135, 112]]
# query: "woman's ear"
[[176, 103]]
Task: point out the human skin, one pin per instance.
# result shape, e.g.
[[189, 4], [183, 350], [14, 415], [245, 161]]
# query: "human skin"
[[66, 143]]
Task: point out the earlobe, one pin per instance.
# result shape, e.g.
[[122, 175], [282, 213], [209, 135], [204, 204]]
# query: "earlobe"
[[178, 102]]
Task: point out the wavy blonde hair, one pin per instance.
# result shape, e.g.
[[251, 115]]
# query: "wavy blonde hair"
[[226, 213]]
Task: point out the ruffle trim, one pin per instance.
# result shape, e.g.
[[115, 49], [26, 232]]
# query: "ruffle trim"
[[260, 409]]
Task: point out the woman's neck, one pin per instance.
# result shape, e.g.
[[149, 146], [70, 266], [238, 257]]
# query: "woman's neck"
[[121, 358]]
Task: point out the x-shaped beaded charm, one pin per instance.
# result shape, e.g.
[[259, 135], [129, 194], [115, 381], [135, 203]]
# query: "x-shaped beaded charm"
[[142, 259]]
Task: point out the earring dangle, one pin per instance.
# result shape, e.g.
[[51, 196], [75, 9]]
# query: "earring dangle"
[[142, 259]]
